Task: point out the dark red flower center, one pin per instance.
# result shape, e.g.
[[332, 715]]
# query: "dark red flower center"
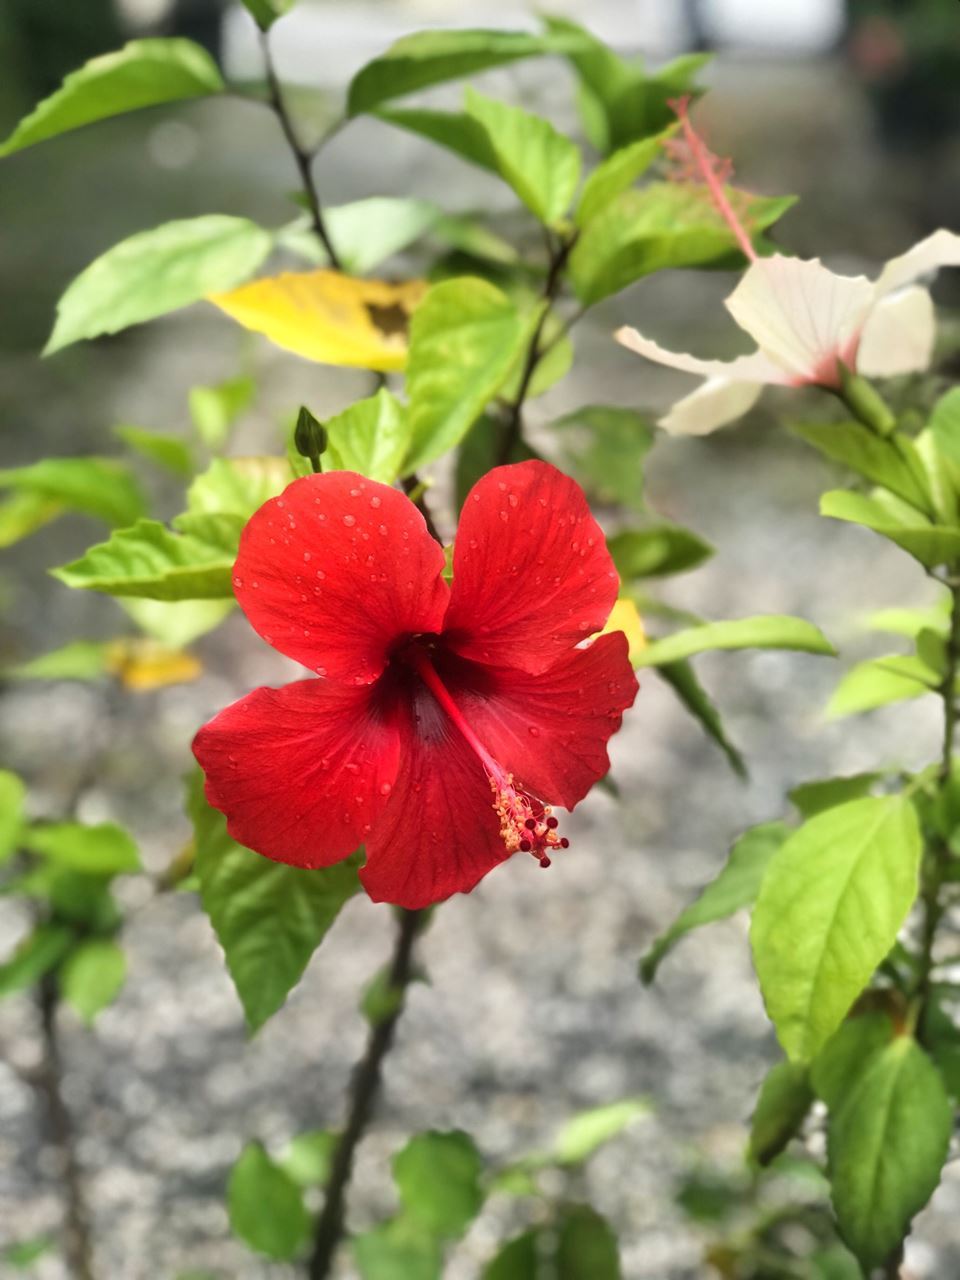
[[527, 824]]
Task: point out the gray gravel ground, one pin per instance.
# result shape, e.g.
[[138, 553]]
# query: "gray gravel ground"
[[534, 1008]]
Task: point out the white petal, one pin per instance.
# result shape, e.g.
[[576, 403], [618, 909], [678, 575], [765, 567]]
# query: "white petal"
[[941, 249], [898, 336], [801, 315], [714, 404], [754, 367]]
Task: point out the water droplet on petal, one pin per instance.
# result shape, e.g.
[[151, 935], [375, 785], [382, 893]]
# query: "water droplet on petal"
[[385, 788], [349, 521], [376, 502]]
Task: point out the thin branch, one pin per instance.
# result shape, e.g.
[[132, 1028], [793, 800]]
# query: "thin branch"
[[302, 157], [363, 1094]]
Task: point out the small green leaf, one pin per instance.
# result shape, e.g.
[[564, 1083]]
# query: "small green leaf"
[[879, 681], [365, 232], [238, 486], [540, 164], [432, 57], [472, 237], [104, 849], [829, 909], [144, 73], [99, 487], [158, 271], [372, 437], [641, 107], [176, 623], [826, 793], [307, 1158], [92, 976], [162, 447], [606, 447], [23, 513], [455, 130], [891, 461], [12, 797], [24, 1253], [945, 425], [736, 886], [518, 1259], [381, 999], [464, 339], [583, 1134], [80, 660], [927, 543], [785, 1098], [398, 1250], [266, 1207], [664, 225], [766, 631], [268, 917], [214, 410], [194, 563], [586, 1248], [36, 955], [617, 173], [657, 552], [682, 679], [266, 12], [835, 1068], [438, 1178], [910, 622], [886, 1145]]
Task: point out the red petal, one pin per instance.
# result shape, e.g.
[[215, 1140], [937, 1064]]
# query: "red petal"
[[531, 572], [439, 834], [301, 772], [335, 570], [551, 731]]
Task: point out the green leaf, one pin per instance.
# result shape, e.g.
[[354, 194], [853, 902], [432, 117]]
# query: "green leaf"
[[468, 233], [785, 1098], [144, 73], [381, 999], [682, 679], [36, 955], [736, 886], [176, 623], [657, 552], [641, 106], [92, 976], [606, 447], [433, 57], [540, 164], [365, 232], [586, 1247], [398, 1250], [265, 1206], [879, 681], [268, 917], [438, 1178], [266, 12], [664, 225], [162, 447], [766, 631], [917, 536], [372, 437], [23, 1253], [455, 130], [194, 563], [464, 339], [80, 660], [99, 487], [23, 513], [158, 271], [885, 1147], [12, 797], [945, 425], [583, 1134], [891, 461], [910, 622], [238, 486], [835, 1068], [104, 849], [307, 1158], [831, 904], [214, 410], [617, 173], [813, 797], [518, 1259], [480, 451]]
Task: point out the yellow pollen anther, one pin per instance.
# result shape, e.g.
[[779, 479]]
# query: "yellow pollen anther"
[[526, 825]]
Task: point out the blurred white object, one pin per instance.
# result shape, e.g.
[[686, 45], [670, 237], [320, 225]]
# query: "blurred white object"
[[788, 26]]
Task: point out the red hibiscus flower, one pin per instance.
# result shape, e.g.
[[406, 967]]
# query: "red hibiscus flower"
[[448, 719]]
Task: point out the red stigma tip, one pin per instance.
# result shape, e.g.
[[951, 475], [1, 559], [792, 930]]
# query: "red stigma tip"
[[545, 861], [564, 842]]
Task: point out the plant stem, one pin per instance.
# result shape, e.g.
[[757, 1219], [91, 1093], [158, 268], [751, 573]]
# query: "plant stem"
[[302, 157], [363, 1094], [513, 429], [78, 1248], [415, 490]]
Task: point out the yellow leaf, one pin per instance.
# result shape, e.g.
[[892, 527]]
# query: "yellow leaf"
[[329, 317], [142, 664], [624, 617]]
